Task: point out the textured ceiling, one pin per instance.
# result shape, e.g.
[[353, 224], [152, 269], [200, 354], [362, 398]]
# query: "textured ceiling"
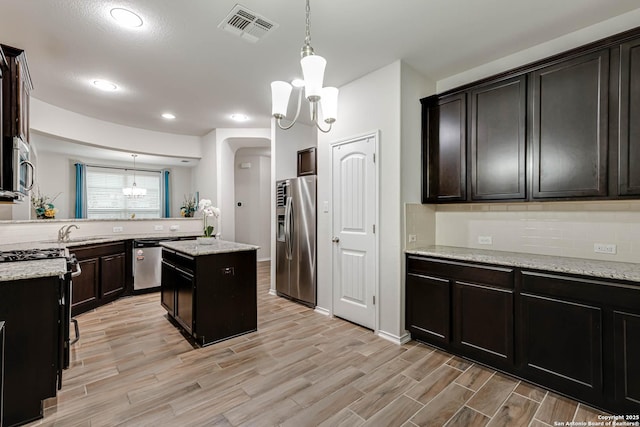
[[179, 60]]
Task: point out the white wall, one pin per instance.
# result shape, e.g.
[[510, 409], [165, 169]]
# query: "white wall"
[[578, 38], [204, 176], [287, 144], [368, 104], [227, 141], [55, 173], [51, 120], [15, 232], [252, 191], [548, 228]]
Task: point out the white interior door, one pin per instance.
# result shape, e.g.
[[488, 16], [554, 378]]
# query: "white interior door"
[[354, 243]]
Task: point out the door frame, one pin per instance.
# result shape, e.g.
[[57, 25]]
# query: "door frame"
[[375, 134]]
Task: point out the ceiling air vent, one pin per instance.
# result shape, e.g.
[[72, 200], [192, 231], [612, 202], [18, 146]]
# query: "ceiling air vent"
[[247, 24]]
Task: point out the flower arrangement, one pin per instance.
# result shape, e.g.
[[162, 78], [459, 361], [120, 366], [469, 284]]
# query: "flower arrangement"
[[43, 205], [189, 206], [208, 210]]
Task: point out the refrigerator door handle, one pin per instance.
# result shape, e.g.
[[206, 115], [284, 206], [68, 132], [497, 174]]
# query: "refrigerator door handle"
[[287, 227]]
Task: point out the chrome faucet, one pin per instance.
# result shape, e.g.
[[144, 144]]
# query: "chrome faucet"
[[64, 232]]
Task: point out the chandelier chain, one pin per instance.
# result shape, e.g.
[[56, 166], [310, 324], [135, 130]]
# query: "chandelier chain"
[[307, 39]]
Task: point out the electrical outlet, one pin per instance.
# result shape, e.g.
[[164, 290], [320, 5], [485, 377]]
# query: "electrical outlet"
[[158, 227], [412, 238], [174, 227], [117, 229], [604, 248], [485, 240]]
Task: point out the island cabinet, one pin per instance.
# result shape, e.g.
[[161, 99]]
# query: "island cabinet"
[[211, 294], [575, 334], [466, 307], [103, 277]]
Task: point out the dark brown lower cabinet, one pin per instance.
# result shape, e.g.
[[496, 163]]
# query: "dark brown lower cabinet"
[[32, 346], [562, 345], [626, 336], [211, 297], [483, 322], [428, 308], [103, 277], [1, 370], [576, 335]]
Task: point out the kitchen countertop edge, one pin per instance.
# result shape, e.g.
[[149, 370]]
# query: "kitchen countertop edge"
[[193, 248], [614, 270], [19, 270]]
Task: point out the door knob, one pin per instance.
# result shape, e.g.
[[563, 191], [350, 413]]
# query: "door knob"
[[335, 239]]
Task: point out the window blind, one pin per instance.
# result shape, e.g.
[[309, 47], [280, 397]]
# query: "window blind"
[[106, 201]]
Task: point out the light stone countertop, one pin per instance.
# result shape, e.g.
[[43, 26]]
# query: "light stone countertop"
[[586, 267], [32, 269], [53, 267], [193, 248]]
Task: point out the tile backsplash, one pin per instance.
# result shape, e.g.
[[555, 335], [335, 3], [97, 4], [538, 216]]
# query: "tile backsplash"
[[551, 228]]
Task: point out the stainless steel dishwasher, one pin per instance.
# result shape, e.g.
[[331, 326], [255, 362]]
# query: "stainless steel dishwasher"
[[147, 263]]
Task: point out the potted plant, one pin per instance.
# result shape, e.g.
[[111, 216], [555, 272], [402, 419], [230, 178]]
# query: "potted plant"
[[43, 205], [208, 210], [189, 206]]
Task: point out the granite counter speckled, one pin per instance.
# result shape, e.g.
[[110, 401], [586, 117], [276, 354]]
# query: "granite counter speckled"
[[586, 267], [193, 248], [32, 269]]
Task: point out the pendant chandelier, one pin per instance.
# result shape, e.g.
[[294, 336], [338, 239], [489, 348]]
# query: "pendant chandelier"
[[134, 191], [313, 72]]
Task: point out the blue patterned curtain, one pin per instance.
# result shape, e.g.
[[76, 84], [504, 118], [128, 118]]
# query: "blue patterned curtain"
[[166, 197], [81, 190]]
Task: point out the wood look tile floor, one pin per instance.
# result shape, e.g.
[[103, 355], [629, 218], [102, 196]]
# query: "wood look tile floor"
[[132, 367]]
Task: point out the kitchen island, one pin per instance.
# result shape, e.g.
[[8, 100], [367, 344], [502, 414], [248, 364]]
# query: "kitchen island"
[[209, 290]]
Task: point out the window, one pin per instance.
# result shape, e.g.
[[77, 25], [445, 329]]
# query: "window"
[[105, 198]]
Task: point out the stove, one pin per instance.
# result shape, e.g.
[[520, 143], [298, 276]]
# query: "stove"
[[32, 254], [66, 291]]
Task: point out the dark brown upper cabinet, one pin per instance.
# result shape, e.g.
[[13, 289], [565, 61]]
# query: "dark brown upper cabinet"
[[444, 148], [569, 116], [498, 145], [629, 136], [17, 89]]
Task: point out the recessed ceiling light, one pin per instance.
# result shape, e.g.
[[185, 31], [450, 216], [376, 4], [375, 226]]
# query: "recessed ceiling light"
[[239, 117], [297, 83], [105, 85], [168, 116], [126, 17]]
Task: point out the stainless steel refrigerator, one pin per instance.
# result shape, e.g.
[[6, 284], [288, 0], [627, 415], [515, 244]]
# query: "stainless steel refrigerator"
[[296, 239]]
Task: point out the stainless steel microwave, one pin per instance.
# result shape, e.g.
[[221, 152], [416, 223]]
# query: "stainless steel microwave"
[[18, 177]]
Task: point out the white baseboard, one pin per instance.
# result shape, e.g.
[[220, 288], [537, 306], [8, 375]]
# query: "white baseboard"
[[264, 259], [272, 292], [322, 311], [394, 338]]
